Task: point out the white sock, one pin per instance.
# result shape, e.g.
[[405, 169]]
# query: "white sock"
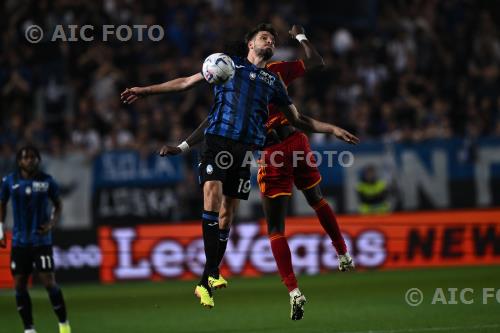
[[295, 292], [31, 330]]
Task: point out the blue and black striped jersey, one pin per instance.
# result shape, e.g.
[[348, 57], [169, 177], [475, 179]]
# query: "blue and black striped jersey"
[[30, 206], [240, 110]]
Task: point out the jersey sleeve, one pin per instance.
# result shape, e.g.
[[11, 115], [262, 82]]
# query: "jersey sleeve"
[[53, 189], [295, 70], [280, 96], [288, 70], [4, 190]]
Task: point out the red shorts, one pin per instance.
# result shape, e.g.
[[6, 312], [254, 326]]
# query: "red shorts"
[[287, 163]]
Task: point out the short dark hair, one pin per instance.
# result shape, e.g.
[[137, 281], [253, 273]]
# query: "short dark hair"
[[261, 27], [27, 148], [237, 48]]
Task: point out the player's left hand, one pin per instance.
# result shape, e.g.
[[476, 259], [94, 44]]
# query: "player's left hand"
[[296, 30], [167, 150], [45, 228], [344, 135], [130, 95]]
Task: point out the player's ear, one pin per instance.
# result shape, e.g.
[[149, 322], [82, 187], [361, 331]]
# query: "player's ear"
[[250, 44]]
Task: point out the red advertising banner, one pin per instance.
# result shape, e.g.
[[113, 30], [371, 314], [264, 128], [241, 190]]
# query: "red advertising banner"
[[6, 280], [403, 240]]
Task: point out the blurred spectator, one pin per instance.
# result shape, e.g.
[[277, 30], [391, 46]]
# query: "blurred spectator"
[[404, 71], [372, 192]]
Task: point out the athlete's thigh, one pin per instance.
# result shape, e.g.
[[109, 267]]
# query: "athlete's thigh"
[[209, 168], [43, 259], [48, 279], [275, 176], [275, 210], [237, 184], [305, 172], [21, 261]]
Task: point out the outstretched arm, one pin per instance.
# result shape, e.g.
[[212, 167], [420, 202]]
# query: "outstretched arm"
[[130, 95], [309, 124], [192, 140], [313, 59]]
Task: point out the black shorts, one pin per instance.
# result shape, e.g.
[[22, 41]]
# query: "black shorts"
[[228, 161], [24, 259]]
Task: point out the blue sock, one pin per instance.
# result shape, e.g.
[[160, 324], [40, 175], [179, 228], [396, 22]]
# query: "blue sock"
[[57, 300], [210, 227], [223, 238], [23, 302]]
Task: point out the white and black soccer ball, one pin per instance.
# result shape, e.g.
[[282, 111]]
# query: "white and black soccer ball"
[[218, 68]]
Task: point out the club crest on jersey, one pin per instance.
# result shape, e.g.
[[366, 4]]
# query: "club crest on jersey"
[[267, 78], [252, 76], [40, 186], [210, 169]]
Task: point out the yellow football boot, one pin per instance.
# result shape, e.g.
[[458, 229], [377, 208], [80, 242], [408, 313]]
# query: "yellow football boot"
[[204, 295]]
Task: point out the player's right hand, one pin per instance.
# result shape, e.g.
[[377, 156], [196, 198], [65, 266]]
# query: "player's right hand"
[[344, 135], [296, 30], [130, 95], [167, 150]]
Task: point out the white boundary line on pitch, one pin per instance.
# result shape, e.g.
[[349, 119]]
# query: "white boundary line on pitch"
[[427, 329]]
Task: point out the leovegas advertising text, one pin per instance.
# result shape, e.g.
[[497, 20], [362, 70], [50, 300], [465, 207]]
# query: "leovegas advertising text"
[[403, 240]]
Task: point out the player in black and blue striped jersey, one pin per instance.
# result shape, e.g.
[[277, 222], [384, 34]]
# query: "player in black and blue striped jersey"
[[234, 128], [31, 192], [239, 112]]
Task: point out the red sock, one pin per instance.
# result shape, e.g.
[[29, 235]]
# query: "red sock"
[[329, 223], [283, 257]]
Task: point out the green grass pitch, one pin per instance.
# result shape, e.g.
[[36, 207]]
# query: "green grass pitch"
[[360, 302]]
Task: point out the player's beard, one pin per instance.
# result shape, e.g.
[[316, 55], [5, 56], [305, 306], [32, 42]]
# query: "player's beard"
[[265, 53]]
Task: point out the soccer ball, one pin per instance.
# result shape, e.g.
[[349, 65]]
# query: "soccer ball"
[[218, 68]]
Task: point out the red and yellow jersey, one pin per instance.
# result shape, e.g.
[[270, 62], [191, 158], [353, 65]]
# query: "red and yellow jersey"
[[287, 71]]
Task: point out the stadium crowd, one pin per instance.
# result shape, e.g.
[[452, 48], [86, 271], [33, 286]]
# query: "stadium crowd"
[[399, 70]]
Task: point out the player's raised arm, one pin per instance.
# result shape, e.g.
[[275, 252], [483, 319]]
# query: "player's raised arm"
[[192, 140], [313, 59], [130, 95], [309, 124]]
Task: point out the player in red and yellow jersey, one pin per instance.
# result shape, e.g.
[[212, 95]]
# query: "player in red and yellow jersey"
[[289, 147]]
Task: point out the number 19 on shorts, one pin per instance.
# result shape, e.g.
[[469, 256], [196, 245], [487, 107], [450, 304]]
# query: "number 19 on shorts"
[[244, 186]]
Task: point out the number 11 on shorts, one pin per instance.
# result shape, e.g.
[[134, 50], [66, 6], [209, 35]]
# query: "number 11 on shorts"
[[46, 263]]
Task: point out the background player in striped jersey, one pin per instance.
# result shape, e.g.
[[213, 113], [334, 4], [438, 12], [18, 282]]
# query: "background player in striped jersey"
[[30, 191], [236, 124]]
